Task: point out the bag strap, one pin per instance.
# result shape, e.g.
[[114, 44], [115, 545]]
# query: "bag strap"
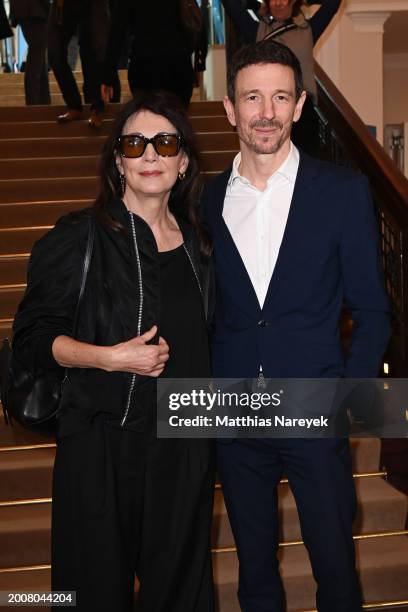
[[281, 30], [85, 269]]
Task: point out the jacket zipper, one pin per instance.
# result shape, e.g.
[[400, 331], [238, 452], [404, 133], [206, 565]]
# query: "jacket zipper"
[[194, 270], [139, 321]]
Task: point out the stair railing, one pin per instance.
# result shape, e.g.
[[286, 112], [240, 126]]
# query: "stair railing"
[[347, 141]]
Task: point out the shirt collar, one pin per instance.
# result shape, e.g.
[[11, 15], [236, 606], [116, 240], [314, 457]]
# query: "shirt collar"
[[287, 169]]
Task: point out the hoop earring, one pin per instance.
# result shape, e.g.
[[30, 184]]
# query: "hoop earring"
[[122, 183], [181, 176]]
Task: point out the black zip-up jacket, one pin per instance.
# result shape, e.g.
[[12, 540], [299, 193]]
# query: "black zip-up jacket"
[[121, 300]]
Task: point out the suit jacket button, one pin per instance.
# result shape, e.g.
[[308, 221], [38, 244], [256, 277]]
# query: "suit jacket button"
[[262, 323]]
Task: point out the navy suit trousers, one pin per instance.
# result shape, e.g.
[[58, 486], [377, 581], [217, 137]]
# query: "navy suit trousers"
[[320, 477]]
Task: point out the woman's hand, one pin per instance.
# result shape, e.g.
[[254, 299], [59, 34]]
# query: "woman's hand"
[[138, 357], [135, 355]]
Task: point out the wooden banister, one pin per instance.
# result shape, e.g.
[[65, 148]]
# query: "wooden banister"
[[346, 140], [361, 145]]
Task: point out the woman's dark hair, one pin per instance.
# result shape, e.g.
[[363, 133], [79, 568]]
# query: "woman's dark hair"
[[185, 194], [263, 52]]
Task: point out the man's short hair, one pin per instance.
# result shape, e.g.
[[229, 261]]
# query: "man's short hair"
[[263, 52]]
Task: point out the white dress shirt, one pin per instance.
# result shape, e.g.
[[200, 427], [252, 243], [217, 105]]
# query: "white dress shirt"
[[257, 219]]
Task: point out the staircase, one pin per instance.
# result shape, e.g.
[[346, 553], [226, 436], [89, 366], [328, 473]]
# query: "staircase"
[[46, 170], [12, 88], [381, 542]]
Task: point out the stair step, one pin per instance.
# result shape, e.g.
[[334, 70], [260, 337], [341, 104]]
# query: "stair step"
[[14, 100], [382, 565], [19, 240], [5, 330], [25, 533], [13, 270], [17, 436], [83, 145], [39, 129], [48, 129], [50, 112], [365, 453], [47, 190], [24, 527], [30, 214], [25, 474], [17, 89], [18, 77], [51, 147], [49, 168], [370, 493], [380, 508], [9, 300], [34, 581], [87, 166], [56, 189]]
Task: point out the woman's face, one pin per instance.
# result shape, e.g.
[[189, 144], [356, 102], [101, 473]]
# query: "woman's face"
[[281, 9], [150, 174]]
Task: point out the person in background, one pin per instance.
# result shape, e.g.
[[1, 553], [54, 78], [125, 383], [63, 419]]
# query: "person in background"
[[285, 22], [165, 35], [5, 30], [91, 18], [31, 16], [124, 501]]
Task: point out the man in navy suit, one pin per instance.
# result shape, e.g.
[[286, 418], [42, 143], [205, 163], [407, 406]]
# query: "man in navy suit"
[[294, 238]]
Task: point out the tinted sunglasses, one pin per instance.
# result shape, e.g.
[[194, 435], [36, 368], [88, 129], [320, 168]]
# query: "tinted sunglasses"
[[134, 145]]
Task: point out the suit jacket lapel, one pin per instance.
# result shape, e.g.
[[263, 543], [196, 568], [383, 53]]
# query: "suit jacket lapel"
[[296, 224], [223, 236]]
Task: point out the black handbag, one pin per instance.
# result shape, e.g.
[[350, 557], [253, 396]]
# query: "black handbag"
[[34, 401]]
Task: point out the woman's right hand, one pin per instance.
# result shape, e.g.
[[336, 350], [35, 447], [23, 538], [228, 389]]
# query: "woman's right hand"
[[138, 357]]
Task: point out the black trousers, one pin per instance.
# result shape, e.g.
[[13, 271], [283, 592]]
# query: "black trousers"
[[173, 74], [123, 506], [36, 85], [320, 476], [91, 18]]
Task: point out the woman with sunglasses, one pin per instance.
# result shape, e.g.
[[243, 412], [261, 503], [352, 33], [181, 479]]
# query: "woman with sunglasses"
[[125, 503]]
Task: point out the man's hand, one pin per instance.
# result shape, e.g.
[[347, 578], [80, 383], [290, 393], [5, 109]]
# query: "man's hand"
[[106, 93], [138, 357]]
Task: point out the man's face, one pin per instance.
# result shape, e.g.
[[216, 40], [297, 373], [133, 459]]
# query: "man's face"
[[265, 107], [280, 9]]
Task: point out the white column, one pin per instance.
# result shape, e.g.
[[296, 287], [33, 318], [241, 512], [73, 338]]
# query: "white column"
[[361, 60], [215, 76]]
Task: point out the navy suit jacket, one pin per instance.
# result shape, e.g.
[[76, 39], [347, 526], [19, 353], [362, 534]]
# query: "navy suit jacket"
[[329, 255]]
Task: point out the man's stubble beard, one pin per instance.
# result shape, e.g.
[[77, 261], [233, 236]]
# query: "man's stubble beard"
[[266, 147]]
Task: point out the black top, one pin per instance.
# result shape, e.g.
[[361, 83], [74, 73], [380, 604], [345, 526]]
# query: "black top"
[[182, 322]]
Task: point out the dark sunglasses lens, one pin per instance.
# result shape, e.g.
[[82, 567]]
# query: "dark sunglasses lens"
[[167, 145], [132, 146]]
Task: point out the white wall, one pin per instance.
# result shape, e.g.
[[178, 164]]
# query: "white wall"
[[396, 88]]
